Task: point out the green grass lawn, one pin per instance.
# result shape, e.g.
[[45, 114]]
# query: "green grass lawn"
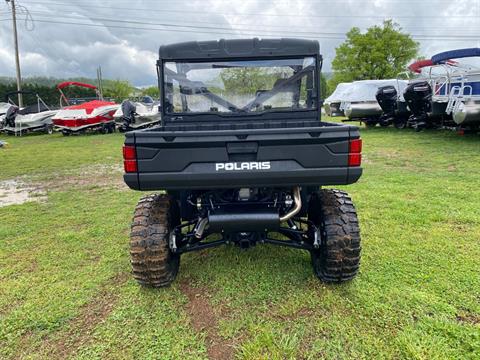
[[66, 291]]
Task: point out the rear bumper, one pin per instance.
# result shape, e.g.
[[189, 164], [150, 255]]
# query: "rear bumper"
[[206, 179], [202, 160]]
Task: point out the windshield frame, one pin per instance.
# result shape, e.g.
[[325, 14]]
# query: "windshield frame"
[[213, 116]]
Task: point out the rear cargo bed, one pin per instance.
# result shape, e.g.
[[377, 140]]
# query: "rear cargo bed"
[[177, 158]]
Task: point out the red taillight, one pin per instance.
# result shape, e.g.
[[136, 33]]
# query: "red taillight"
[[355, 146], [354, 159], [129, 159], [355, 152], [130, 166], [129, 152]]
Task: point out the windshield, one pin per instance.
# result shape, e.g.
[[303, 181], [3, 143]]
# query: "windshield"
[[240, 87]]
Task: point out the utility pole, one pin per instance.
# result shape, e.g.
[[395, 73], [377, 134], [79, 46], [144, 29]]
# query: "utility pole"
[[100, 82], [17, 58]]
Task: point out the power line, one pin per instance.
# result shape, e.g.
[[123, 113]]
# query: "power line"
[[236, 31], [243, 33], [276, 2], [254, 31], [201, 27], [149, 18], [138, 20], [183, 11], [176, 30], [28, 17]]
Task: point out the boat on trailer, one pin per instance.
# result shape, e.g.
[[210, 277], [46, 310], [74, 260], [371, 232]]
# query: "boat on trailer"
[[32, 118], [135, 115], [94, 115], [360, 103]]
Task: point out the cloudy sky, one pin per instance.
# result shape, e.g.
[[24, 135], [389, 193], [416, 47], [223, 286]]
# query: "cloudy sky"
[[71, 38]]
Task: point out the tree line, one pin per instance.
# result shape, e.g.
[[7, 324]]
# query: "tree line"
[[46, 88]]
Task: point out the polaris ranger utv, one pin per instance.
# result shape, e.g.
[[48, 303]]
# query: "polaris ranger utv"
[[242, 154]]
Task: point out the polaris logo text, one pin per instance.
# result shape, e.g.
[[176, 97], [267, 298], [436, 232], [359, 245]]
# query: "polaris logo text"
[[243, 166]]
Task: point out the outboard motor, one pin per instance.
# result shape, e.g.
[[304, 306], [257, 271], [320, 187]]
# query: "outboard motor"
[[418, 96], [11, 115], [387, 99], [147, 100], [128, 110]]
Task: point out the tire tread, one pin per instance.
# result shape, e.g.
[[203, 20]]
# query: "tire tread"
[[153, 264], [338, 258]]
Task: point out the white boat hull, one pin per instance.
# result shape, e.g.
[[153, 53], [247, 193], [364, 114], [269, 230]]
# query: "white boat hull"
[[31, 122]]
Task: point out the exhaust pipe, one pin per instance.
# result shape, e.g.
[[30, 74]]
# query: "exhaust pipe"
[[297, 199], [245, 221], [254, 220], [200, 228]]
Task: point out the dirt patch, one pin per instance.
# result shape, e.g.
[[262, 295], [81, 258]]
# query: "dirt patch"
[[204, 319], [469, 318], [81, 327], [15, 192], [90, 176], [461, 228], [34, 188]]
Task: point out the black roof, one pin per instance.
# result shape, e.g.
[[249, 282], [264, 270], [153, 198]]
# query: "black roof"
[[238, 48]]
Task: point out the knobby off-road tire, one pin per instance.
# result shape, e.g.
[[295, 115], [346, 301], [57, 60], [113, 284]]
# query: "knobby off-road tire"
[[338, 258], [153, 264]]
